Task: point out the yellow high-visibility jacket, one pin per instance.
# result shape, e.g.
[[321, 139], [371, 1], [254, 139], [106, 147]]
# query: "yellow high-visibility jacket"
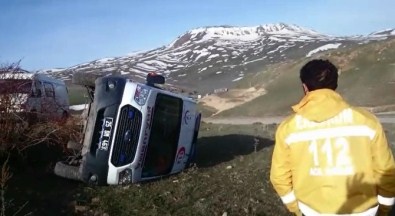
[[332, 158]]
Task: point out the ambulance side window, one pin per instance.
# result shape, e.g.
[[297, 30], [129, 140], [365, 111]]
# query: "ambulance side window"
[[37, 89], [49, 90]]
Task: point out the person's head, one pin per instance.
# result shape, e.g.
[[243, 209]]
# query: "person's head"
[[318, 74]]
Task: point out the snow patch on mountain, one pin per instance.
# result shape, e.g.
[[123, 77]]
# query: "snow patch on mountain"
[[156, 63], [213, 56], [276, 32], [104, 60], [137, 71], [144, 66], [237, 79], [323, 48], [201, 53]]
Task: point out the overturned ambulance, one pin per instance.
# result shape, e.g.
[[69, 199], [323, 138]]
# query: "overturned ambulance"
[[134, 132]]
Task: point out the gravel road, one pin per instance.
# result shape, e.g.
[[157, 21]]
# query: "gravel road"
[[388, 117]]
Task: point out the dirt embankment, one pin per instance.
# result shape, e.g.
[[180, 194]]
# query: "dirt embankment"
[[232, 98]]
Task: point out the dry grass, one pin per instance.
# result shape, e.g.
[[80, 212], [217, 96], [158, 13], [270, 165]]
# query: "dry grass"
[[231, 177]]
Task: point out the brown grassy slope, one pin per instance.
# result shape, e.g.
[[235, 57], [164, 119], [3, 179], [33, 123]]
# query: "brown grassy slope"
[[365, 79]]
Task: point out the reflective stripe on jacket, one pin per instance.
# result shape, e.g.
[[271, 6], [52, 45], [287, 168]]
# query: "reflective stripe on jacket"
[[332, 159]]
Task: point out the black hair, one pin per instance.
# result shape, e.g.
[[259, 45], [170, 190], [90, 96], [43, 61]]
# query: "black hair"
[[319, 74]]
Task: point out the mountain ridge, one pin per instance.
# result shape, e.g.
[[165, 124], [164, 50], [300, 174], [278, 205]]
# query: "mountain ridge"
[[207, 58]]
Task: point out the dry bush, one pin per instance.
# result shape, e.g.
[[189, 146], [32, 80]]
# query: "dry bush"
[[5, 175], [20, 128], [12, 123], [51, 133]]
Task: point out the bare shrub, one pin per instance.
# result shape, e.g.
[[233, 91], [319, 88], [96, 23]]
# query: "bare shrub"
[[51, 133], [5, 175], [21, 128], [12, 122]]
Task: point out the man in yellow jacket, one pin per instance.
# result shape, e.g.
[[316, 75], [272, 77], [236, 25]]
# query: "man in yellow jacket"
[[331, 158]]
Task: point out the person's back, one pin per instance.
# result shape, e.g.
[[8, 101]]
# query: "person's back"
[[330, 157]]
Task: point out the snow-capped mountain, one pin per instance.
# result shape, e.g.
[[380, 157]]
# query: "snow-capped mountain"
[[207, 58], [244, 33]]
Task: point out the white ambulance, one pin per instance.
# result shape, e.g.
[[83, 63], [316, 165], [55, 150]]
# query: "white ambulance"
[[135, 132]]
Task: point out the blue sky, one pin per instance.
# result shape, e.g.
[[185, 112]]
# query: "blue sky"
[[62, 33]]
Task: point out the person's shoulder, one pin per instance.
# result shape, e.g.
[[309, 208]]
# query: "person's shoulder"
[[286, 123], [362, 114]]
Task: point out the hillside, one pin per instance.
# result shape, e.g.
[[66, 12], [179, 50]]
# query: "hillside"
[[208, 58], [258, 65], [367, 75]]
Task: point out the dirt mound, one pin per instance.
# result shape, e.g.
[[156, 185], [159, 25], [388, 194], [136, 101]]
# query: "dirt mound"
[[232, 98]]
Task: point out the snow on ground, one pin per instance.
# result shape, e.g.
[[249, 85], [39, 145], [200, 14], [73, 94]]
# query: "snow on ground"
[[134, 53], [393, 32], [211, 48], [144, 66], [247, 34], [65, 78], [109, 69], [137, 71], [123, 72], [218, 72], [380, 32], [279, 49], [277, 39], [201, 70], [235, 53], [237, 79], [182, 75], [258, 59], [202, 53], [235, 33], [181, 52], [104, 60], [157, 63], [212, 56], [323, 48], [81, 65], [304, 37], [168, 59], [78, 107], [54, 70]]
